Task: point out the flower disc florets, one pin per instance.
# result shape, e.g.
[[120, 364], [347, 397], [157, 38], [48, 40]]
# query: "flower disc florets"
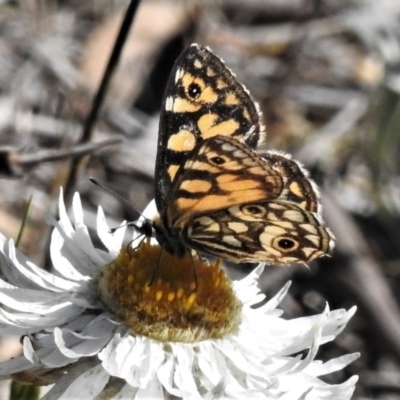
[[167, 298]]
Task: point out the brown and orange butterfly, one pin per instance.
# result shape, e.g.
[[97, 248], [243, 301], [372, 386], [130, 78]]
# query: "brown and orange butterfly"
[[214, 193]]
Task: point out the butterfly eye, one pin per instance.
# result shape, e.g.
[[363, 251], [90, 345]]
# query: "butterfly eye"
[[194, 90], [254, 210], [286, 244]]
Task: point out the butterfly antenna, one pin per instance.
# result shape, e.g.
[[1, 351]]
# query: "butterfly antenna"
[[115, 194], [145, 229]]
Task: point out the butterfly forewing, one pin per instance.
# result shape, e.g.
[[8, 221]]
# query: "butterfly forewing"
[[202, 99], [220, 173]]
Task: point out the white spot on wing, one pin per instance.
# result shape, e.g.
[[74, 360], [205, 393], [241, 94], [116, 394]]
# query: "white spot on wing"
[[239, 154], [308, 251], [309, 228], [178, 74], [313, 239], [169, 103], [293, 215], [231, 240], [228, 147]]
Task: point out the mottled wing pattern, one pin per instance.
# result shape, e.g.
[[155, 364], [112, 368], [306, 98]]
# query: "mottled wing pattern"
[[220, 173], [274, 232], [202, 99], [298, 187]]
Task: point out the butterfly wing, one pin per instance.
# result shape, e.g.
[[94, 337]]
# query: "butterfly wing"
[[202, 99], [274, 232], [298, 186], [220, 173]]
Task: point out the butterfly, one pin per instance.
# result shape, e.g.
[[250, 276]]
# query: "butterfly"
[[214, 193]]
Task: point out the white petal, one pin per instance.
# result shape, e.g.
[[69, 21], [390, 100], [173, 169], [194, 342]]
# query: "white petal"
[[81, 382], [29, 320], [75, 244], [39, 276], [112, 241], [247, 289], [276, 300], [11, 266], [78, 211], [79, 253], [238, 358], [126, 393], [88, 385], [183, 376], [152, 391], [15, 365], [336, 364], [150, 212], [62, 263], [89, 341], [165, 375], [210, 365], [28, 351], [82, 235], [81, 348], [156, 357], [28, 300], [108, 355], [311, 353], [62, 212], [343, 391]]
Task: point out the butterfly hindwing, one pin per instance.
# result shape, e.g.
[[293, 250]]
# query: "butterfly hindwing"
[[299, 188], [202, 99], [269, 231]]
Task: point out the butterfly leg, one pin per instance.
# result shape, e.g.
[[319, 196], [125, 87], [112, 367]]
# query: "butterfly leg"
[[157, 266], [194, 271]]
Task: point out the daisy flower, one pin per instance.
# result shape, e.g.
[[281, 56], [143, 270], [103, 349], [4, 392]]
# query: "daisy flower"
[[133, 322]]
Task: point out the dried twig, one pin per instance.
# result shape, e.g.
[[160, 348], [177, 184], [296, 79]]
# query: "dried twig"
[[14, 163]]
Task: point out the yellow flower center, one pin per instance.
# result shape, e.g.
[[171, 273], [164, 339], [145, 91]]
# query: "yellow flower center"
[[167, 298]]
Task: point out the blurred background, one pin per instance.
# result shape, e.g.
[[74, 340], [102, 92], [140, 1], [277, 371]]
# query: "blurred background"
[[326, 74]]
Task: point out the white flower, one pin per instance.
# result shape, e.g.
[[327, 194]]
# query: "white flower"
[[70, 338]]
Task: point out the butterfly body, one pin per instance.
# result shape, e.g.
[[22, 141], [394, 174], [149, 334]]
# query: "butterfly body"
[[214, 193]]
